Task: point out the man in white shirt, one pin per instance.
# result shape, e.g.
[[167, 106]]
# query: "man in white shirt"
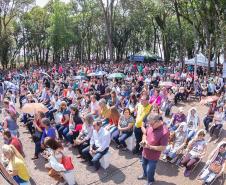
[[99, 145]]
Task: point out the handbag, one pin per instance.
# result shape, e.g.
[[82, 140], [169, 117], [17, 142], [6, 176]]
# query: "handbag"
[[215, 168], [67, 162], [55, 175]]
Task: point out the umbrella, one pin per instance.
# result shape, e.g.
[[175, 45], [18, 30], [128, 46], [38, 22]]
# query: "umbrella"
[[80, 78], [209, 99], [166, 84], [31, 108], [101, 73], [91, 74], [116, 75]]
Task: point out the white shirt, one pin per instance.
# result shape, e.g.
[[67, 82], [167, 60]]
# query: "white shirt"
[[71, 94], [94, 107], [101, 139]]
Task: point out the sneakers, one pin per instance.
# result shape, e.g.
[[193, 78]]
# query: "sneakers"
[[187, 173], [141, 177], [164, 157]]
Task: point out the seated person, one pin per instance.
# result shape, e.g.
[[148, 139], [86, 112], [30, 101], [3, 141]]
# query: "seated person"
[[168, 103], [63, 127], [209, 117], [196, 150], [85, 134], [192, 123], [104, 112], [215, 165], [125, 128], [75, 125], [177, 119], [174, 148], [99, 145], [218, 120], [94, 106]]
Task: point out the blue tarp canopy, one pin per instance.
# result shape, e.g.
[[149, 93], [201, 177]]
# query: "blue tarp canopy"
[[143, 56]]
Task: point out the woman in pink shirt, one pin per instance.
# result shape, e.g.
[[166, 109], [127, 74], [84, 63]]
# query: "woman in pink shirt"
[[155, 98], [60, 70]]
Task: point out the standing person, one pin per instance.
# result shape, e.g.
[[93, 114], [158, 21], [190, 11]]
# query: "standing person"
[[10, 123], [99, 145], [48, 131], [154, 142], [16, 166], [12, 140], [142, 110]]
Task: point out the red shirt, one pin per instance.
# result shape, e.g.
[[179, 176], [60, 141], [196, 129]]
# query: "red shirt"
[[157, 137], [17, 144]]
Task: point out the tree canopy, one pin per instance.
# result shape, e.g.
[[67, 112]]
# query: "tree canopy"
[[109, 30]]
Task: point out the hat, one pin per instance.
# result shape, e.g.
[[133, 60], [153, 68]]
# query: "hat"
[[181, 109]]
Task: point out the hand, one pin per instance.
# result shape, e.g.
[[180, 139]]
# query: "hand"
[[148, 146], [143, 143], [70, 132], [91, 151], [42, 146]]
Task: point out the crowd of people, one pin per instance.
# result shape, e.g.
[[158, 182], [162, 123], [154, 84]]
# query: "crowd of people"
[[86, 111]]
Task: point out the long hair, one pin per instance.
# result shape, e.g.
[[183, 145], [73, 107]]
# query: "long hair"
[[10, 149]]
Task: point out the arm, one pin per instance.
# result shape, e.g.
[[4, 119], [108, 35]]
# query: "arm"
[[130, 126], [67, 118], [36, 126], [6, 175]]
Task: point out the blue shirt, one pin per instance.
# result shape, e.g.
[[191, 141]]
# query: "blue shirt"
[[48, 133]]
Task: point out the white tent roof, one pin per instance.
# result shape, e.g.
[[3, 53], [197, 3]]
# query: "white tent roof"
[[201, 61]]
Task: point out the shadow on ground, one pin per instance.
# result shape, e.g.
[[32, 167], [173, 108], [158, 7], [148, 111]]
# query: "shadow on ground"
[[167, 169]]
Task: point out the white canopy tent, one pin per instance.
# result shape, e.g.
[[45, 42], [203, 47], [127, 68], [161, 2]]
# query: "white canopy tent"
[[201, 61]]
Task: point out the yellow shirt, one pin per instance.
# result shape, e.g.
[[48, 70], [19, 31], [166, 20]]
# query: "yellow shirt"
[[142, 112], [21, 169]]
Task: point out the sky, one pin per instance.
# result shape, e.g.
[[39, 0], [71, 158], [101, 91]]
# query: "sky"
[[42, 3]]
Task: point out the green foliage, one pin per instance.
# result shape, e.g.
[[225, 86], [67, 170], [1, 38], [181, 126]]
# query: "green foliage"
[[89, 29]]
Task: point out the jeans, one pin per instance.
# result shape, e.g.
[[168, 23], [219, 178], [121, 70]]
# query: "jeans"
[[19, 180], [70, 137], [82, 146], [121, 138], [215, 130], [207, 120], [190, 134], [62, 130], [149, 167], [95, 160], [138, 136], [38, 148]]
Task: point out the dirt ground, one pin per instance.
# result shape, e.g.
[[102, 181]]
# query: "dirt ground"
[[124, 166]]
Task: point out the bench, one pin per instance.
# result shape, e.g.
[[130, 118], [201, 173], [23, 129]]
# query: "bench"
[[105, 160], [131, 142]]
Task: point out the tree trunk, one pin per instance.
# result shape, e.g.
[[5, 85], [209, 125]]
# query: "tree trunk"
[[181, 34]]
